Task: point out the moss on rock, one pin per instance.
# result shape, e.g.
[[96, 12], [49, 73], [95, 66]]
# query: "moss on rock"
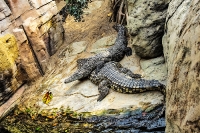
[[8, 51]]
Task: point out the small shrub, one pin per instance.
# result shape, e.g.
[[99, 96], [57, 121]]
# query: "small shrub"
[[74, 8]]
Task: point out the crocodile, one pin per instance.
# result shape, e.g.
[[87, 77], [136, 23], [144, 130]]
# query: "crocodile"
[[113, 75], [114, 53]]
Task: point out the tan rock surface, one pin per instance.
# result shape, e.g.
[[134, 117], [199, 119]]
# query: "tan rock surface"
[[39, 3], [5, 11], [15, 5], [26, 56], [146, 25], [182, 53], [4, 24], [38, 45]]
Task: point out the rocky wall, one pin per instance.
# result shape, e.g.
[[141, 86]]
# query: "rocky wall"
[[181, 44], [36, 27], [146, 26]]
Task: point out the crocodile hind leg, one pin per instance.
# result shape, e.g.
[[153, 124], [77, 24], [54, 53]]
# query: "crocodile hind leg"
[[129, 73], [103, 90], [101, 63]]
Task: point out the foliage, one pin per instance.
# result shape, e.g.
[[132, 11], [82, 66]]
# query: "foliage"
[[74, 8]]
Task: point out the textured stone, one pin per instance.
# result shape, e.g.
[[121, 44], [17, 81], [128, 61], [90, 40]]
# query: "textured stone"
[[44, 28], [46, 12], [2, 16], [53, 34], [4, 10], [15, 5], [30, 13], [37, 43], [8, 30], [56, 35], [4, 24], [26, 56], [38, 3], [11, 103], [42, 14], [103, 43], [182, 54], [93, 6], [155, 69], [146, 26], [73, 48]]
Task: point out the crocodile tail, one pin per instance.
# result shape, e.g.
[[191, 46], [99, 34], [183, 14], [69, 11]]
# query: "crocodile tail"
[[159, 86]]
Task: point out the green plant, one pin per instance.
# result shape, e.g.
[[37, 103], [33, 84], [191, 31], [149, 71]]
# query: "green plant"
[[74, 8]]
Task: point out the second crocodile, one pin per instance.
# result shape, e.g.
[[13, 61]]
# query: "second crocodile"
[[114, 53], [113, 75]]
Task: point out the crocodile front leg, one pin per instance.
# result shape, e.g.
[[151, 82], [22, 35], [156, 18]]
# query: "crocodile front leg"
[[103, 89], [128, 51]]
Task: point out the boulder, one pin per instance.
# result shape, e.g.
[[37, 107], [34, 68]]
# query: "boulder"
[[15, 5], [154, 68], [182, 53], [27, 60], [103, 43], [5, 23], [38, 3], [146, 26], [5, 11], [55, 35], [9, 82], [38, 45]]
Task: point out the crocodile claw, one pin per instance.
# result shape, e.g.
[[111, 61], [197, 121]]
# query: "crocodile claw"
[[128, 51]]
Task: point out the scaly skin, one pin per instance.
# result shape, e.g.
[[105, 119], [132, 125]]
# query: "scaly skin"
[[114, 53], [113, 75]]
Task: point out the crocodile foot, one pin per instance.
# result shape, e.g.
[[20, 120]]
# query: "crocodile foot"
[[128, 51], [103, 90]]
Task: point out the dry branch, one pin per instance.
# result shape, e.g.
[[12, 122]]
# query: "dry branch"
[[120, 11]]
